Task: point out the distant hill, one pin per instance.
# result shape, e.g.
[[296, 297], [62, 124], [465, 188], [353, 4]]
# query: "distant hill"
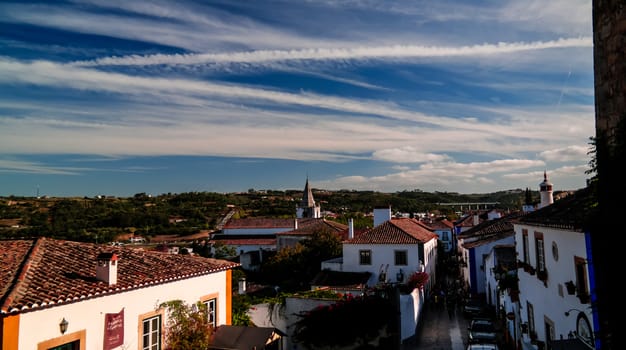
[[103, 218]]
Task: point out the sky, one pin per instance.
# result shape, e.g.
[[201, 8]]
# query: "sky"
[[121, 97]]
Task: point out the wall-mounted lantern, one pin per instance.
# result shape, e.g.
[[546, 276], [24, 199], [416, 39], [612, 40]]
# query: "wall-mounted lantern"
[[63, 325]]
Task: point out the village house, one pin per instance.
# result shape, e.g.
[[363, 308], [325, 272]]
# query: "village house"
[[57, 294], [556, 285]]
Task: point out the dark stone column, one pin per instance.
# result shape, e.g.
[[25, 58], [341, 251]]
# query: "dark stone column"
[[609, 28]]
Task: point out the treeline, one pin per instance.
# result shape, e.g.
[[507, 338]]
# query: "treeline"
[[102, 219]]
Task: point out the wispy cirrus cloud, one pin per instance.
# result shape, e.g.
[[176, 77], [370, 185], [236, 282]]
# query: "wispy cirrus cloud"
[[456, 95], [20, 166], [395, 51]]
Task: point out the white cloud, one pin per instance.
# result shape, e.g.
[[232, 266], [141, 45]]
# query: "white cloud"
[[408, 154], [352, 53], [20, 166], [565, 154]]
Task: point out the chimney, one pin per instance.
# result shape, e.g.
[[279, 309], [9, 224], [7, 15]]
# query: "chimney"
[[242, 285], [350, 228], [476, 219], [106, 270], [381, 215], [295, 224]]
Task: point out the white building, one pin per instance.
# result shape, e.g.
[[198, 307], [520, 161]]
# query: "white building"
[[308, 208], [476, 244], [555, 276], [71, 295], [391, 251]]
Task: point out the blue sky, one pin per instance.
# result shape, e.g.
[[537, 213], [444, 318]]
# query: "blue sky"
[[124, 97]]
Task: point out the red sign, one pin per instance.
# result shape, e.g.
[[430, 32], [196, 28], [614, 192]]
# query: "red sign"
[[113, 330]]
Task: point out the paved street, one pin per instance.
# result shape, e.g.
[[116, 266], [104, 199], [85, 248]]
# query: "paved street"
[[439, 332]]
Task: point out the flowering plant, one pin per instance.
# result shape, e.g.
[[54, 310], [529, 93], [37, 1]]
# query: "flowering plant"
[[352, 320], [417, 280]]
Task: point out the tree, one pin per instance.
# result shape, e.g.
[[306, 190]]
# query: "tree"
[[223, 251], [370, 317], [188, 326], [294, 267]]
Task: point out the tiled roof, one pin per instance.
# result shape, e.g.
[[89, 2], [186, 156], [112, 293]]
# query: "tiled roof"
[[346, 280], [487, 239], [573, 212], [260, 223], [227, 337], [308, 227], [490, 230], [237, 240], [441, 224], [45, 272], [395, 231], [492, 227]]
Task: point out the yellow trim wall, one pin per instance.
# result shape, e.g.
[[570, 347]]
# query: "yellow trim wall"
[[10, 332], [229, 297]]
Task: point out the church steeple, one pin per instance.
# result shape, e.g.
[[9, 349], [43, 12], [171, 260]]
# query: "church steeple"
[[307, 207], [307, 197], [545, 191]]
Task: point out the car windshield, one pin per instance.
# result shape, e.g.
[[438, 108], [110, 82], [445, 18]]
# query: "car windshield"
[[482, 327]]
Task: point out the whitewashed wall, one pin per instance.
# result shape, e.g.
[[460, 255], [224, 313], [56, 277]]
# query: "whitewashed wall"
[[88, 315], [551, 301], [480, 269], [382, 254], [411, 306]]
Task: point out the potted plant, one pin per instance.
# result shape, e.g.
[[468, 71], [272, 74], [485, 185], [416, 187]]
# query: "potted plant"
[[571, 287]]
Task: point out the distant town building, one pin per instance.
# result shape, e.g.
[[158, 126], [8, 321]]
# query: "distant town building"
[[308, 208], [545, 191]]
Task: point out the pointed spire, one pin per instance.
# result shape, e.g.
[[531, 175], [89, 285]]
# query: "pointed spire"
[[307, 197]]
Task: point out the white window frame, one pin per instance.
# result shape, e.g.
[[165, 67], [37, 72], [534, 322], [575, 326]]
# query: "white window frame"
[[211, 309], [147, 338]]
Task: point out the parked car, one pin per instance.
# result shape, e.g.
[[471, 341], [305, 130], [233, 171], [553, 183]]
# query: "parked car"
[[482, 330], [474, 307], [483, 346]]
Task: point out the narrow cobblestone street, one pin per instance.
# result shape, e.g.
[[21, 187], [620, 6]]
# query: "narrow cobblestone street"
[[439, 331]]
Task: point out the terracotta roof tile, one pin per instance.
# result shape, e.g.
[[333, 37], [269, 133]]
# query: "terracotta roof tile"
[[343, 279], [573, 212], [493, 227], [234, 240], [45, 272], [308, 227], [251, 223], [395, 231]]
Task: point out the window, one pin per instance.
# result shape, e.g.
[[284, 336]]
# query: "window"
[[75, 345], [211, 306], [71, 341], [531, 320], [401, 257], [365, 257], [151, 333], [444, 236], [525, 245], [581, 277], [540, 252], [555, 251]]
